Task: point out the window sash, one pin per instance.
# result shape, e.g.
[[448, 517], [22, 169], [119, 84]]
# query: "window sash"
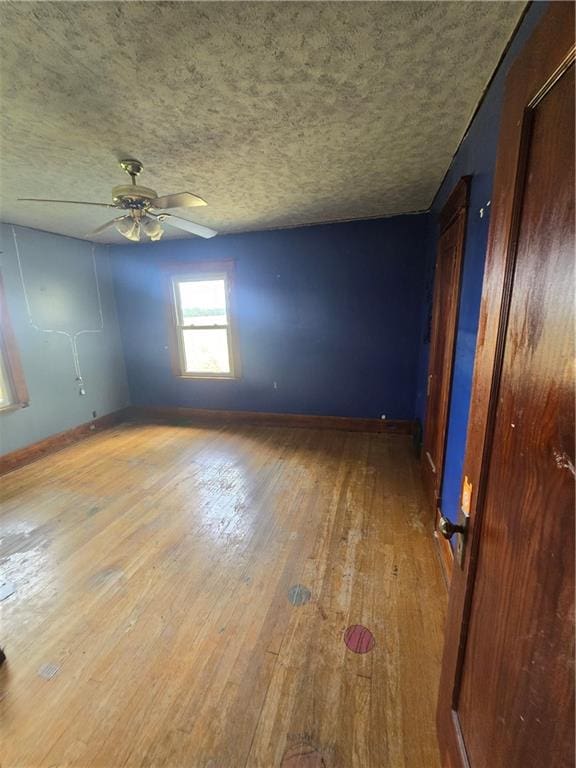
[[210, 374], [181, 326], [6, 388], [201, 278], [11, 372]]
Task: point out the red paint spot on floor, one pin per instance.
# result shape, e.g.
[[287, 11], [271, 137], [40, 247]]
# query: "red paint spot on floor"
[[359, 639], [302, 756]]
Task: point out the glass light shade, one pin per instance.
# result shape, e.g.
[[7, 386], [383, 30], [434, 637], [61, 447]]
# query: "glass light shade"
[[152, 228], [129, 228]]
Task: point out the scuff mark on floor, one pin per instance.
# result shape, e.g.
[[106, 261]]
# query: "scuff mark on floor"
[[48, 671]]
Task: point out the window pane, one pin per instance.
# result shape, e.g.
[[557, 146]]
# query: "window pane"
[[203, 302], [5, 392], [206, 351]]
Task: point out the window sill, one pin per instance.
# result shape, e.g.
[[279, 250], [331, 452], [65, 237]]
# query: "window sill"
[[200, 377], [13, 407]]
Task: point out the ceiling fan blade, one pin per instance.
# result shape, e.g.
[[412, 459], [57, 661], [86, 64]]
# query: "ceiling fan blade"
[[189, 226], [108, 224], [179, 200], [75, 202]]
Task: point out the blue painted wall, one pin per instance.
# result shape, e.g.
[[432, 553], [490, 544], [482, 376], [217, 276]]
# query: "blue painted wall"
[[62, 291], [476, 157], [330, 313]]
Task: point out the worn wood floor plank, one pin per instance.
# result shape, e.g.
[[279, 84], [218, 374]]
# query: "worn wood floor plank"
[[153, 623]]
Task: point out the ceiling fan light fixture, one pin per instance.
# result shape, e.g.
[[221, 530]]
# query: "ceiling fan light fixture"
[[129, 228], [152, 228], [143, 209]]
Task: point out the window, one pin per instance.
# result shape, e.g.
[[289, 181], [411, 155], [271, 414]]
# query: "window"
[[13, 391], [6, 396], [203, 324]]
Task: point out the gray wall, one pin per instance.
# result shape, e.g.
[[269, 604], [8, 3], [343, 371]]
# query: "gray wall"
[[62, 295]]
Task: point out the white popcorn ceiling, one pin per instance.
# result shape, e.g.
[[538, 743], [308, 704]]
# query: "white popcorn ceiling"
[[277, 113]]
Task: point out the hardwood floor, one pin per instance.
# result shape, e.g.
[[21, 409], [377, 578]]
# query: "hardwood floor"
[[152, 626]]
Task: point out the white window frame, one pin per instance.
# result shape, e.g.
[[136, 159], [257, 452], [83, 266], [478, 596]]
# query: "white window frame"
[[199, 276], [8, 401], [10, 363]]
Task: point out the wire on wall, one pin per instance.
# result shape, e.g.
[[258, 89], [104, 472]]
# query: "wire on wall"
[[72, 337]]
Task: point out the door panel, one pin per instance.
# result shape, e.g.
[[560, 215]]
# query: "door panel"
[[516, 700], [507, 686], [447, 280]]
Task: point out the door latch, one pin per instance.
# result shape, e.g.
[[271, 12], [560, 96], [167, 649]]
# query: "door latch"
[[448, 529]]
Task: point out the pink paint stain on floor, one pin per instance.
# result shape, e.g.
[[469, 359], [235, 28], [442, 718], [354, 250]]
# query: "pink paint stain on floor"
[[359, 639], [302, 756]]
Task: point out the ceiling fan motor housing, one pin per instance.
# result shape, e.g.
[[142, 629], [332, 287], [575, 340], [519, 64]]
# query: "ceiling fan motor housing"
[[133, 197]]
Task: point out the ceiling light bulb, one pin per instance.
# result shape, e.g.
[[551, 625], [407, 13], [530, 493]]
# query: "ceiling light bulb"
[[152, 228], [129, 228]]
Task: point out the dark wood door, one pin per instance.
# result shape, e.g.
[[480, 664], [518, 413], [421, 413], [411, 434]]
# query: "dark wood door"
[[507, 689], [445, 303]]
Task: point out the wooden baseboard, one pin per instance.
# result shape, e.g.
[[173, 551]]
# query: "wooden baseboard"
[[445, 552], [201, 415], [16, 459], [23, 456]]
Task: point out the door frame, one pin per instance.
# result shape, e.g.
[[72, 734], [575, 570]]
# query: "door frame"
[[454, 213], [546, 56]]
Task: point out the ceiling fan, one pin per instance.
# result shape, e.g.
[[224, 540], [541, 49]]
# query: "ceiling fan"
[[144, 209]]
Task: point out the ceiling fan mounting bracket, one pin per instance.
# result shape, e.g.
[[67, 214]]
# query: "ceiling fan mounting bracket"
[[132, 167]]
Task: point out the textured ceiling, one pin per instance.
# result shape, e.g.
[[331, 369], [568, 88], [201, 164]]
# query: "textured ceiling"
[[277, 113]]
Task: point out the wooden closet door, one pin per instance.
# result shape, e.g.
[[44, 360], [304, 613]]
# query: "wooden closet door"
[[507, 688], [445, 303]]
